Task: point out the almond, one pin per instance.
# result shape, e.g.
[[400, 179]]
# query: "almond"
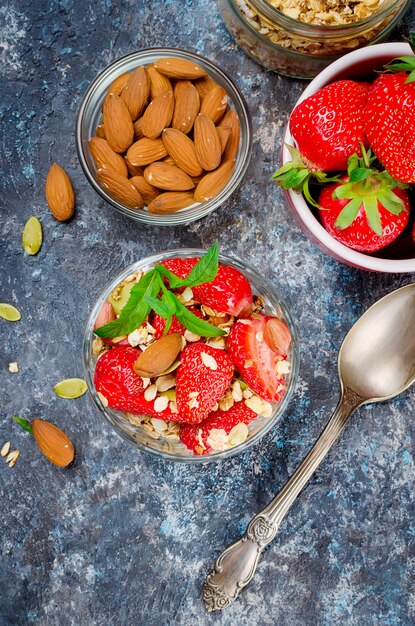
[[53, 442], [137, 92], [146, 151], [59, 193], [214, 182], [119, 129], [100, 131], [224, 133], [277, 335], [133, 170], [171, 201], [187, 104], [214, 103], [179, 68], [105, 157], [207, 143], [158, 356], [120, 189], [168, 160], [158, 82], [231, 118], [168, 177], [138, 131], [182, 150], [146, 191], [119, 83], [157, 115], [204, 85]]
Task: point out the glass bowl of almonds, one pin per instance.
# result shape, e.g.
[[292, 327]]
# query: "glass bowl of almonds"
[[164, 136], [174, 374]]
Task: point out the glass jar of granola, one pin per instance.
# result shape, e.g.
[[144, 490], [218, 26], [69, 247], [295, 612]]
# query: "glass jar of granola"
[[301, 37]]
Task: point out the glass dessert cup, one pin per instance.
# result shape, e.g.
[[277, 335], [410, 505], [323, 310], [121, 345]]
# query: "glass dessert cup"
[[173, 450]]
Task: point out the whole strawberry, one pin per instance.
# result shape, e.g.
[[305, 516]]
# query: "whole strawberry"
[[203, 376]]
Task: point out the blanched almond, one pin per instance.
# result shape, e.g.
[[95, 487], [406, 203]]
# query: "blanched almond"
[[171, 201], [146, 151], [277, 335], [119, 83], [179, 68], [231, 119], [214, 182], [138, 131], [157, 115], [136, 92], [158, 82], [53, 442], [214, 103], [182, 150], [105, 157], [146, 191], [207, 143], [158, 356], [204, 85], [187, 104], [59, 193], [168, 177], [120, 189], [119, 129]]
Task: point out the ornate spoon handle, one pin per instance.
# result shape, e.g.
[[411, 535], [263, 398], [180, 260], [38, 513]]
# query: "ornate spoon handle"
[[237, 564]]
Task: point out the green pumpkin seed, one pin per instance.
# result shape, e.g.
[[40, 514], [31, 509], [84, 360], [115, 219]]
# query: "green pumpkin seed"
[[170, 369], [70, 388], [122, 300], [32, 236], [9, 312], [170, 394]]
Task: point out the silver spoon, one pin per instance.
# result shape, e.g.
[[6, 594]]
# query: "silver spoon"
[[376, 362]]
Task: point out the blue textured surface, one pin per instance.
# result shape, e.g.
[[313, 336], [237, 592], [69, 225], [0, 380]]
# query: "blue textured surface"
[[121, 538]]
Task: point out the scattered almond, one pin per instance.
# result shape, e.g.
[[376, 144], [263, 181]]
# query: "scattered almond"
[[146, 191], [119, 129], [182, 149], [136, 92], [179, 68], [168, 177], [120, 189], [207, 143], [53, 442], [158, 82], [59, 193], [119, 83], [214, 182], [214, 104], [157, 115], [277, 335], [146, 151], [231, 119], [105, 157], [187, 105], [171, 201], [158, 356]]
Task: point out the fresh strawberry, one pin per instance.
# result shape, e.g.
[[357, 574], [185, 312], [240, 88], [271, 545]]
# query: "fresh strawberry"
[[390, 122], [159, 323], [203, 376], [195, 436], [413, 233], [230, 292], [365, 214], [253, 357]]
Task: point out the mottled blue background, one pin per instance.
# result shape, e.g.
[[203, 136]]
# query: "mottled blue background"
[[121, 538]]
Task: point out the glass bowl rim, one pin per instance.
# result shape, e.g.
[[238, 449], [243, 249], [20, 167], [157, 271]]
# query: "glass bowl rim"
[[166, 455]]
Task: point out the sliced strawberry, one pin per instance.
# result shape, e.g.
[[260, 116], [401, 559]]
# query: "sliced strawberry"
[[195, 436], [253, 358], [230, 292], [203, 376], [159, 323]]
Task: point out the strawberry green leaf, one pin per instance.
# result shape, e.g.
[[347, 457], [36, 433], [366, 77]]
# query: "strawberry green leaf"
[[25, 424], [347, 215], [344, 191], [411, 77], [195, 324], [360, 173], [391, 202], [372, 214]]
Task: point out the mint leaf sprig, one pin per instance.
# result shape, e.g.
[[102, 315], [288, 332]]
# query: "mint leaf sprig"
[[144, 297]]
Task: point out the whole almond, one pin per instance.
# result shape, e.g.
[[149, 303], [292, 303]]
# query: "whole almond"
[[168, 177], [138, 131], [59, 193], [120, 189], [136, 92], [168, 160], [157, 115], [133, 170], [158, 82], [204, 85], [119, 83], [214, 103], [105, 157], [214, 182], [146, 151], [187, 104], [277, 335], [158, 356], [207, 143], [119, 129], [231, 118], [100, 131], [182, 150], [179, 68], [171, 201], [146, 191], [224, 133], [53, 442]]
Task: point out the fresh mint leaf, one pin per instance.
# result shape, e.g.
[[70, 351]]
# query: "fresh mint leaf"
[[174, 281], [169, 299], [158, 306], [168, 324], [204, 271], [25, 424], [195, 324]]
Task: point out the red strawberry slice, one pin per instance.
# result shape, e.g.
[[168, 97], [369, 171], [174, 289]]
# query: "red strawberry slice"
[[195, 436], [390, 124], [159, 323], [229, 292], [203, 376], [253, 358]]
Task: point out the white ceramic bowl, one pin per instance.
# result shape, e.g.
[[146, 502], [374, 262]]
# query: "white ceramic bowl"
[[355, 65]]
